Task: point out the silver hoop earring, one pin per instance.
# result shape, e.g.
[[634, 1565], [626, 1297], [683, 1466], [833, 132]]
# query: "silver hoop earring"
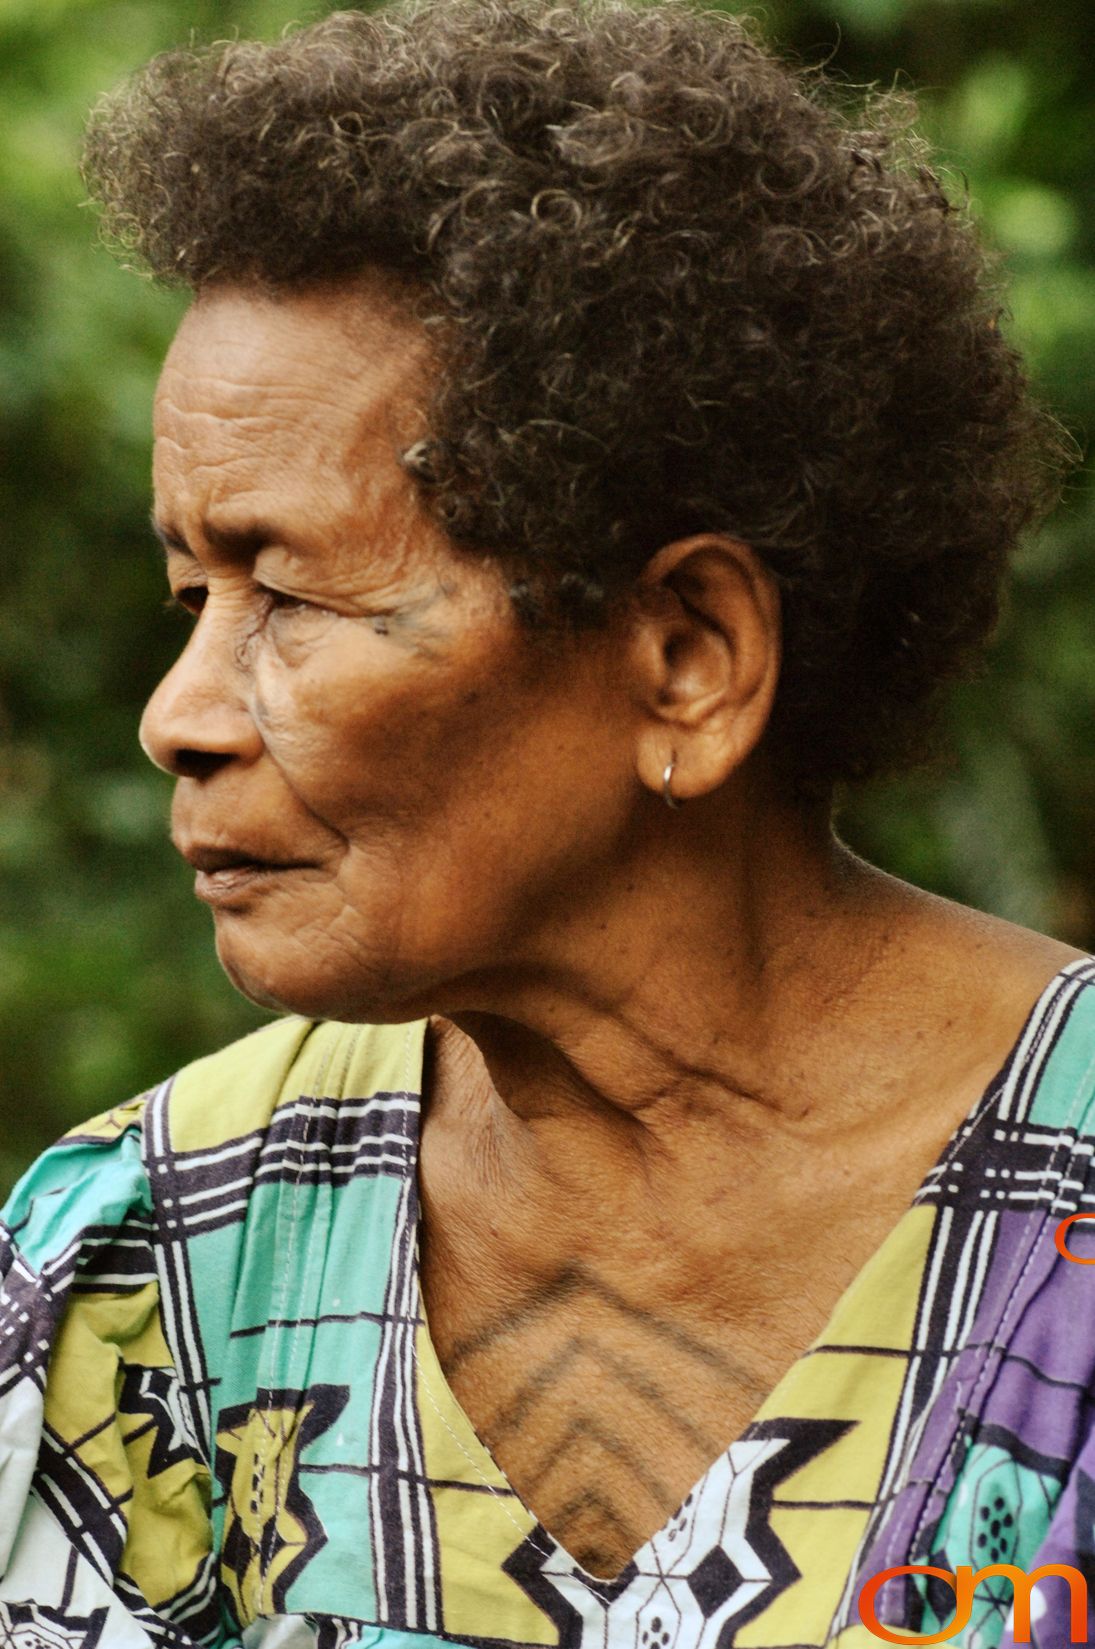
[[670, 799]]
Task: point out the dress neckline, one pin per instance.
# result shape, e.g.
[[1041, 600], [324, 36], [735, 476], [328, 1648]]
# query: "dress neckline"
[[479, 1456]]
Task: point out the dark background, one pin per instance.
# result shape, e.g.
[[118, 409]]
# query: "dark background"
[[108, 979]]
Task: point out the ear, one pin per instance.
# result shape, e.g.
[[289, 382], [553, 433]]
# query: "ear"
[[706, 652]]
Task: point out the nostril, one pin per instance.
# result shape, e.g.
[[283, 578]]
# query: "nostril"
[[197, 764]]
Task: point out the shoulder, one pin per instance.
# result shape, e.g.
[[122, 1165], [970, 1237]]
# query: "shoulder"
[[96, 1179], [88, 1387], [128, 1250], [90, 1183], [236, 1093], [1053, 1066]]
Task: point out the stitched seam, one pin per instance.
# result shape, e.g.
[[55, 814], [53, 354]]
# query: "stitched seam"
[[267, 1447], [501, 1495], [417, 1281]]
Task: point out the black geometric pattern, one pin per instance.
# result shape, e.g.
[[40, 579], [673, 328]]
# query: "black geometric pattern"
[[734, 1496], [25, 1626], [152, 1395], [272, 1550], [716, 1579]]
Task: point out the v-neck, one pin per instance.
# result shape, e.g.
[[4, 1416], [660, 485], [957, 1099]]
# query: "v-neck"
[[753, 1435]]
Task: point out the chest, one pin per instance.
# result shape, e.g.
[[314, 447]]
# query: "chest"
[[604, 1410]]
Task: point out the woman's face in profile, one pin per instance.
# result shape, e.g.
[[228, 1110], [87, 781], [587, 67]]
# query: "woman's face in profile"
[[357, 703]]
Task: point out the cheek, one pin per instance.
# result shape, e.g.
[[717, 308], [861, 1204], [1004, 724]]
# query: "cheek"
[[357, 734]]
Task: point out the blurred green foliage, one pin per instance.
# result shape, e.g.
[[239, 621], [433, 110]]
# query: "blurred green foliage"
[[108, 978]]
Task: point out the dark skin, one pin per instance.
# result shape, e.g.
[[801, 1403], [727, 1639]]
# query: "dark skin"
[[656, 1037]]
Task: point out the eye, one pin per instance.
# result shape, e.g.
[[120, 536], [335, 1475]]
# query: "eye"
[[279, 602], [188, 600]]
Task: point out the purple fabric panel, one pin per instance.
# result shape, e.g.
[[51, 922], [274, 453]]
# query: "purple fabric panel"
[[1070, 1540], [1036, 1319], [1053, 1340]]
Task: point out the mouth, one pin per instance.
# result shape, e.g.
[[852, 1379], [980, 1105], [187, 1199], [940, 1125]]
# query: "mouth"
[[224, 873]]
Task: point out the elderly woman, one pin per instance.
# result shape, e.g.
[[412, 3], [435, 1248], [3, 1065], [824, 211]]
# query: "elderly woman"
[[586, 450]]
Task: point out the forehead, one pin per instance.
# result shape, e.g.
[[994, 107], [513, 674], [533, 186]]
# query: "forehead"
[[288, 382]]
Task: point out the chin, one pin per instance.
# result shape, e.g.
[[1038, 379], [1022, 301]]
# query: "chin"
[[318, 996]]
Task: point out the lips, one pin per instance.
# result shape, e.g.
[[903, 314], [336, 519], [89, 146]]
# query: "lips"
[[230, 873], [212, 860]]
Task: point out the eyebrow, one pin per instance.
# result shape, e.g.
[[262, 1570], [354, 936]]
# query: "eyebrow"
[[235, 543]]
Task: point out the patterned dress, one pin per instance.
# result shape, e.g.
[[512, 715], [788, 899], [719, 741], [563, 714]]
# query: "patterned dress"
[[222, 1421]]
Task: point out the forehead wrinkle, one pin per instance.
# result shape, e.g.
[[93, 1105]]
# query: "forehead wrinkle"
[[193, 405], [240, 434], [366, 366], [258, 470], [298, 457]]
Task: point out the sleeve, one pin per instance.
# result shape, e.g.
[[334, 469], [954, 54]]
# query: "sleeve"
[[105, 1535]]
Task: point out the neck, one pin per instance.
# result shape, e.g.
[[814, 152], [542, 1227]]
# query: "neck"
[[710, 1039], [685, 981]]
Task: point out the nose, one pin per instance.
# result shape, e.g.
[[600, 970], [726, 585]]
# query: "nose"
[[198, 720]]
